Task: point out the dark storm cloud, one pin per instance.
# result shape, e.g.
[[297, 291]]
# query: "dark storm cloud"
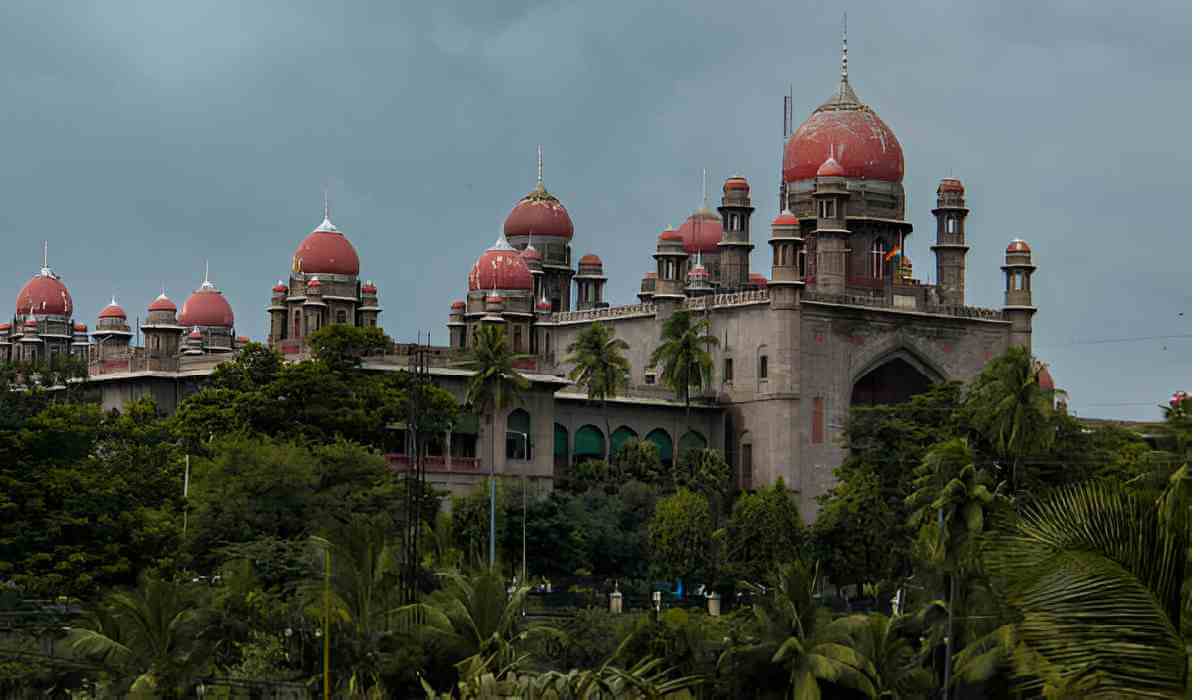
[[144, 138]]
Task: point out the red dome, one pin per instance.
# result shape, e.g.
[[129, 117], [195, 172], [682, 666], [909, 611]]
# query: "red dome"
[[314, 283], [757, 279], [500, 267], [670, 235], [112, 311], [831, 168], [325, 252], [950, 184], [458, 304], [786, 218], [80, 328], [195, 334], [243, 339], [494, 299], [280, 288], [1045, 381], [1017, 246], [369, 288], [162, 303], [650, 276], [737, 182], [539, 213], [543, 305], [31, 323], [702, 232], [530, 253], [45, 294], [5, 326], [206, 307], [698, 271], [590, 259], [865, 147]]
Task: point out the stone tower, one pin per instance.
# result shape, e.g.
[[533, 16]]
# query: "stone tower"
[[735, 211], [1018, 292], [787, 260], [950, 251], [590, 281], [829, 198], [671, 260], [163, 334]]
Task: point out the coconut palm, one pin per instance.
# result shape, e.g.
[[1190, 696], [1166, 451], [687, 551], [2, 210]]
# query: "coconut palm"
[[1008, 406], [793, 632], [494, 385], [474, 617], [683, 354], [151, 637], [1101, 580], [600, 367], [886, 642]]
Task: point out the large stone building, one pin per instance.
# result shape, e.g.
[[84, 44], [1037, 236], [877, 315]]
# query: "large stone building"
[[838, 321]]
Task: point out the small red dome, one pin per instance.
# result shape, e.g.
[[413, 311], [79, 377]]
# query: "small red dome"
[[831, 168], [45, 294], [786, 218], [590, 259], [702, 232], [1045, 381], [5, 326], [1017, 246], [31, 322], [314, 283], [757, 279], [325, 252], [737, 182], [369, 288], [650, 276], [539, 213], [243, 339], [162, 303], [280, 288], [543, 305], [494, 299], [458, 304], [195, 334], [698, 272], [80, 328], [530, 253], [950, 184], [865, 146], [112, 311], [670, 235], [206, 307], [500, 267]]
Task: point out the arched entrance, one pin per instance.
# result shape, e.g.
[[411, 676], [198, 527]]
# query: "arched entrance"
[[894, 381]]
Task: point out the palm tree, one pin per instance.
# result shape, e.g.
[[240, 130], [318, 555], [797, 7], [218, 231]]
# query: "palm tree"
[[794, 632], [151, 637], [886, 643], [1101, 580], [683, 355], [600, 367], [950, 501], [493, 387], [1008, 406], [475, 618]]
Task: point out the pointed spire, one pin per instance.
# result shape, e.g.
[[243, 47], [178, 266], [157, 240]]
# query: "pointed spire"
[[45, 271], [326, 193], [845, 53], [206, 284], [539, 164], [326, 223], [704, 186]]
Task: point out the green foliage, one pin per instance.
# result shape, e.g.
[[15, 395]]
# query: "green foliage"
[[495, 383], [683, 354], [470, 516], [681, 537], [764, 532], [342, 347], [256, 365], [639, 460]]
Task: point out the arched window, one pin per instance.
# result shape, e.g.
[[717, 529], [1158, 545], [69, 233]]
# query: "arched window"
[[621, 436], [517, 339], [341, 316], [879, 251], [746, 462], [662, 439], [692, 441], [561, 451], [589, 443], [517, 439], [950, 224]]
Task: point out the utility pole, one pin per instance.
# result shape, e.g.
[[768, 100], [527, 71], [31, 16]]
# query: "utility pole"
[[325, 621], [418, 368]]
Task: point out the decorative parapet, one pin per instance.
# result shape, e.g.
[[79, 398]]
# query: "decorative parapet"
[[602, 314], [883, 303], [753, 296]]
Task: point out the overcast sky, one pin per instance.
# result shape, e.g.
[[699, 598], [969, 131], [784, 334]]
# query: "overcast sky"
[[141, 138]]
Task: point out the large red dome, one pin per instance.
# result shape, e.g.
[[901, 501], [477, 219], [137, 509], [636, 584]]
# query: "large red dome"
[[701, 232], [862, 144], [539, 213], [325, 252], [206, 307], [45, 294], [500, 267]]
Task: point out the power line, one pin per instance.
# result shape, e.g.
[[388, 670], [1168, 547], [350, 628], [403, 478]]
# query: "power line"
[[1129, 339]]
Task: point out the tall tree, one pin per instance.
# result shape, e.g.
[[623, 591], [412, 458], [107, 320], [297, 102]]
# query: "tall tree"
[[683, 354], [600, 367], [1008, 406], [494, 385], [343, 347], [681, 537]]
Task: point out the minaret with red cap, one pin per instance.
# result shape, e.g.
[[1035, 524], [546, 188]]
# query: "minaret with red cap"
[[951, 248], [830, 196], [1018, 292], [735, 211]]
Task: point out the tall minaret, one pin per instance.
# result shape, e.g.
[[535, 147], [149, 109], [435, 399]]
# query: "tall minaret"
[[1018, 292], [830, 197], [950, 251], [735, 211]]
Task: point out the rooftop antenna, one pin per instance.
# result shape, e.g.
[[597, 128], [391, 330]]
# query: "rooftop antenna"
[[845, 52]]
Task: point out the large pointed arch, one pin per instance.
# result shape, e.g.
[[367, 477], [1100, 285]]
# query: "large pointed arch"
[[894, 376]]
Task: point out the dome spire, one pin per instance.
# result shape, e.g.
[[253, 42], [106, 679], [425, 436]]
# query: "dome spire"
[[704, 188], [539, 180], [845, 53], [45, 272], [206, 284]]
